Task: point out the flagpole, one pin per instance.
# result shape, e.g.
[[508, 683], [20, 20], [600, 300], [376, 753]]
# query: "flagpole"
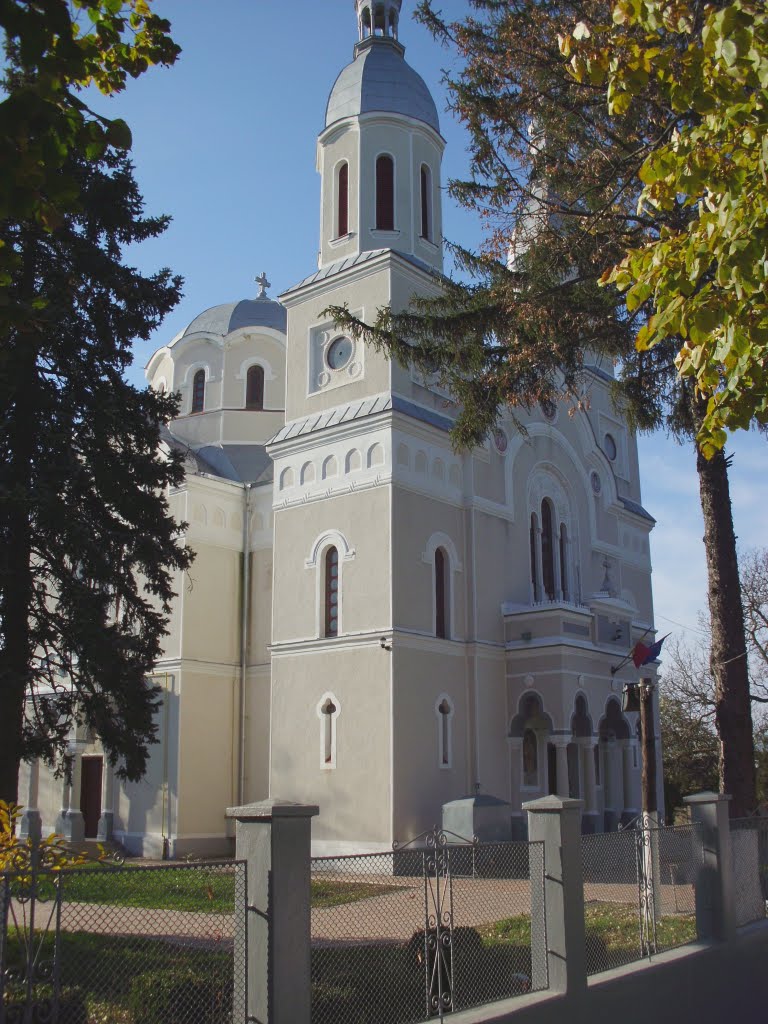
[[623, 662]]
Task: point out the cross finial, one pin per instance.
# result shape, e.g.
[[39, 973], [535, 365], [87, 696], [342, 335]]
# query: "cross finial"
[[263, 284]]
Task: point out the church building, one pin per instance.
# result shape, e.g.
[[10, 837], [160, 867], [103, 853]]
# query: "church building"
[[374, 622]]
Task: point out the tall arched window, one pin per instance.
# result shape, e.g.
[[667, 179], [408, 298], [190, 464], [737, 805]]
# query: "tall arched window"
[[329, 710], [426, 203], [564, 561], [444, 737], [385, 193], [332, 592], [534, 573], [198, 391], [254, 388], [547, 550], [442, 594], [342, 201]]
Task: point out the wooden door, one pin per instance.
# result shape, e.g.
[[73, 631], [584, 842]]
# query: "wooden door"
[[90, 794]]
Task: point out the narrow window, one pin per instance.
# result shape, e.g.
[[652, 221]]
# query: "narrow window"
[[547, 550], [332, 592], [328, 724], [530, 758], [534, 586], [426, 193], [564, 561], [441, 594], [445, 711], [254, 388], [342, 201], [385, 193], [198, 391]]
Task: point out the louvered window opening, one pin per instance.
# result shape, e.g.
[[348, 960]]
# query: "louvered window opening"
[[332, 592], [385, 194], [343, 201]]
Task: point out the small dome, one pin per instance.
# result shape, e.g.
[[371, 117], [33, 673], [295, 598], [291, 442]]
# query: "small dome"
[[231, 316], [378, 79]]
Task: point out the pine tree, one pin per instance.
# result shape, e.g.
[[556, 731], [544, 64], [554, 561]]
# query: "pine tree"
[[554, 179], [89, 552]]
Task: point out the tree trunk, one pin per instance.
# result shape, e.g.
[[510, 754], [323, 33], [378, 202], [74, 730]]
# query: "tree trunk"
[[733, 709]]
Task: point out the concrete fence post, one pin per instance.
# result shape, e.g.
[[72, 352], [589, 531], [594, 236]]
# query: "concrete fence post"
[[556, 821], [273, 838], [715, 894]]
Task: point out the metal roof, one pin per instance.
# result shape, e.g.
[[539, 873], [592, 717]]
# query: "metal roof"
[[231, 316], [633, 506], [353, 261], [379, 80]]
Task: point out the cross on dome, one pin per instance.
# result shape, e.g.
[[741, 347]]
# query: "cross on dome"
[[263, 284]]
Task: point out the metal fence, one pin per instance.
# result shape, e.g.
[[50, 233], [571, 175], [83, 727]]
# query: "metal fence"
[[749, 845], [124, 945], [639, 892], [430, 928]]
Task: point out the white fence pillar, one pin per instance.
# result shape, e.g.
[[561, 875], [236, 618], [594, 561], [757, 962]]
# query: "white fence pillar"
[[715, 896], [557, 823], [273, 838]]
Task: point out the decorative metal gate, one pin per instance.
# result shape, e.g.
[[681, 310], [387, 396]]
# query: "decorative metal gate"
[[438, 915]]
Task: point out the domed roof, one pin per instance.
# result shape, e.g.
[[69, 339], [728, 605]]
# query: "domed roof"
[[378, 79], [231, 316]]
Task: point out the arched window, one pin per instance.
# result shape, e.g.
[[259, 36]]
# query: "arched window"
[[547, 550], [444, 733], [198, 391], [332, 592], [385, 193], [426, 203], [254, 388], [564, 561], [342, 201], [534, 573], [530, 758], [328, 712], [442, 593]]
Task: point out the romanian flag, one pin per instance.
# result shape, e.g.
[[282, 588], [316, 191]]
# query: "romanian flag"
[[642, 655]]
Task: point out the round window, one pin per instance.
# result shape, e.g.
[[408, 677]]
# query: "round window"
[[609, 445], [339, 353]]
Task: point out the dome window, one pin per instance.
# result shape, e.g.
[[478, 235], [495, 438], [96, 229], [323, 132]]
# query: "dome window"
[[198, 392], [342, 201], [385, 193], [254, 388]]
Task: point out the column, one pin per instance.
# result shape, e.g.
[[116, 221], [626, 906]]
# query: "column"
[[30, 826], [715, 894], [556, 559], [273, 838], [629, 808], [70, 823], [587, 749], [107, 819], [515, 744], [561, 754], [539, 564], [557, 823]]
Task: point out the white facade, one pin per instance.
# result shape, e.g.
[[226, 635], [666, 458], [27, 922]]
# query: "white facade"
[[374, 622]]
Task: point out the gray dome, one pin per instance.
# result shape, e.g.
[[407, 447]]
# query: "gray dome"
[[222, 320], [378, 79]]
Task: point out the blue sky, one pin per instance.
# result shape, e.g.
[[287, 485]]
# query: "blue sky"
[[224, 142]]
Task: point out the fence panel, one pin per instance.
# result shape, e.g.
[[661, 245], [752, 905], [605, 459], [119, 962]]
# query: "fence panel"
[[749, 844], [134, 945], [679, 863], [611, 900], [425, 930]]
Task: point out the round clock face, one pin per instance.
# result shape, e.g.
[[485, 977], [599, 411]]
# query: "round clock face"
[[339, 353]]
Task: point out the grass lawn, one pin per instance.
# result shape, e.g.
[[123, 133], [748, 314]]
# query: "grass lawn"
[[203, 889]]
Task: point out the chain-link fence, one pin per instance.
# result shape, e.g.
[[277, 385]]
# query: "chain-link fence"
[[400, 937], [749, 845], [639, 893], [124, 945]]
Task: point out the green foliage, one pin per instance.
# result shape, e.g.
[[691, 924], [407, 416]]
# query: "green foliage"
[[20, 856], [180, 995], [690, 752], [703, 280]]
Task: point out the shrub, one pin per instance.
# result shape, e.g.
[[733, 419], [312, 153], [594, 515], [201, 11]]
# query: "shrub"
[[182, 996]]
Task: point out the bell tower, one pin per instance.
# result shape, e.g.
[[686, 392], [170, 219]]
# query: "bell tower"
[[380, 154]]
